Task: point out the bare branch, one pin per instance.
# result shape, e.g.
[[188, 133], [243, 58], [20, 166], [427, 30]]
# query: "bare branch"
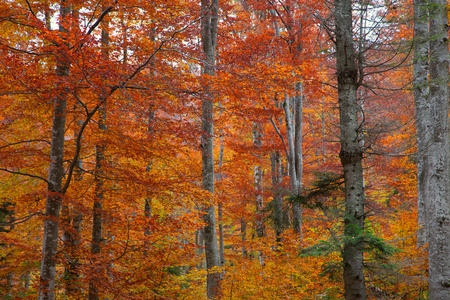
[[78, 147], [24, 174], [31, 10], [23, 142], [281, 137], [21, 220], [100, 18]]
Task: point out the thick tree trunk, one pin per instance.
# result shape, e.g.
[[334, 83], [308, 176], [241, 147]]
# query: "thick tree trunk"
[[351, 154], [437, 167], [420, 83], [209, 43], [56, 173]]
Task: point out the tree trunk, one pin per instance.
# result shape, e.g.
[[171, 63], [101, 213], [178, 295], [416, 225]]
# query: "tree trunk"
[[298, 153], [220, 207], [209, 43], [56, 173], [293, 127], [420, 83], [258, 177], [71, 235], [97, 218], [437, 168], [278, 213], [350, 154]]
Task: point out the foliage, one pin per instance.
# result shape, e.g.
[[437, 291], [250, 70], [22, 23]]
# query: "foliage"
[[150, 81]]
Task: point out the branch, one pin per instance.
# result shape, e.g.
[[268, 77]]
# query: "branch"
[[281, 137], [21, 220], [31, 10], [104, 13], [22, 142], [78, 147], [24, 174], [149, 59]]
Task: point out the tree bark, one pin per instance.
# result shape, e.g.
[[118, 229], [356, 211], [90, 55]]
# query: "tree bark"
[[56, 173], [437, 167], [298, 153], [220, 207], [420, 85], [350, 154], [258, 177], [209, 42], [293, 120]]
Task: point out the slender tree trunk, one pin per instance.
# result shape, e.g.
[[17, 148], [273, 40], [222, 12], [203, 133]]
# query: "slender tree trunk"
[[71, 235], [278, 213], [298, 154], [97, 218], [293, 127], [420, 83], [351, 154], [258, 177], [437, 167], [243, 236], [209, 42], [56, 173], [220, 207]]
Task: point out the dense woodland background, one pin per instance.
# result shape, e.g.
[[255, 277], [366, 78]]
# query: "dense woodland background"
[[136, 136]]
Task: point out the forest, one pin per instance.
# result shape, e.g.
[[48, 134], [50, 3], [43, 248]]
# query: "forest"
[[233, 149]]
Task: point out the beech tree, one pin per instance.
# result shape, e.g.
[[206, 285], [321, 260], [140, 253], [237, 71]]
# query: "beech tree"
[[209, 21], [56, 170], [432, 118]]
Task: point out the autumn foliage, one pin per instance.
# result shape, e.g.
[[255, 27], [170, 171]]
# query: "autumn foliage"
[[146, 85]]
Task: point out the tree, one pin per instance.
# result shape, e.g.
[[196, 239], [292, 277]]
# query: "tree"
[[421, 90], [55, 172], [210, 11], [436, 167], [351, 154]]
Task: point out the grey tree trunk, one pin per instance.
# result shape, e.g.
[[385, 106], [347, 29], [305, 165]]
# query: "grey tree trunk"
[[220, 208], [420, 84], [350, 154], [298, 153], [437, 169], [55, 176], [294, 137], [209, 42], [258, 177]]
